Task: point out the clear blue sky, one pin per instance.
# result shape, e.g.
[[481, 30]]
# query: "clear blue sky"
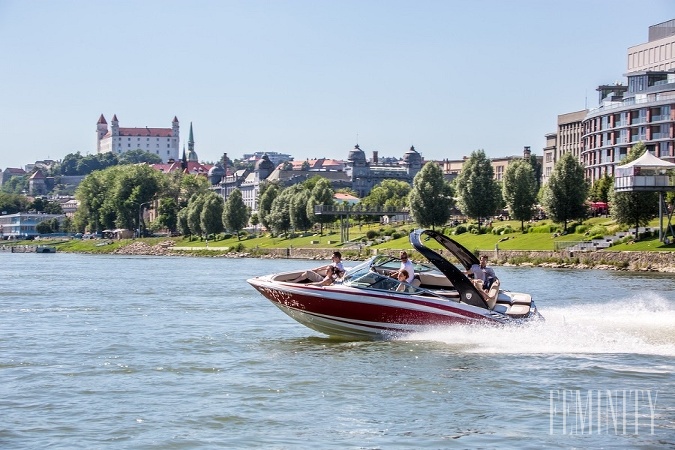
[[308, 77]]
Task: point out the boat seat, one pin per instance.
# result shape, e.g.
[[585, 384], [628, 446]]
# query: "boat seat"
[[492, 294], [416, 282]]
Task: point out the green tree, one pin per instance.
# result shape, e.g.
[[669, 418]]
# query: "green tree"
[[13, 203], [519, 190], [634, 208], [601, 189], [139, 156], [431, 198], [279, 217], [478, 194], [565, 194], [16, 185], [183, 227], [236, 213], [168, 214], [537, 171], [44, 227], [268, 192], [389, 194], [322, 194], [298, 208], [194, 214], [212, 214]]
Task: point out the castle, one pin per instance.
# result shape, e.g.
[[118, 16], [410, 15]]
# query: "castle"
[[163, 142]]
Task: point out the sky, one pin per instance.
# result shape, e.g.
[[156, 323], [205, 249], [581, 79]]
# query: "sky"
[[309, 78]]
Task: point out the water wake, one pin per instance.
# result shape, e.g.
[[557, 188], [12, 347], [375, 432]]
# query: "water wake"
[[635, 325]]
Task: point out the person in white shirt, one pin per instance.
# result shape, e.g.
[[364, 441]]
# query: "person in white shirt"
[[406, 265], [482, 272]]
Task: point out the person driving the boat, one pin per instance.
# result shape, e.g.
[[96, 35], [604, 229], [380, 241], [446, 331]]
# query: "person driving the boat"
[[481, 272], [319, 274], [406, 265]]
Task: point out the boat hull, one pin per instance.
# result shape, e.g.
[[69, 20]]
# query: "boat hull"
[[356, 313]]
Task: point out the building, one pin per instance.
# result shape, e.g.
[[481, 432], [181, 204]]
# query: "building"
[[163, 142], [22, 225], [566, 139], [275, 157], [641, 111], [452, 168], [365, 175], [11, 172]]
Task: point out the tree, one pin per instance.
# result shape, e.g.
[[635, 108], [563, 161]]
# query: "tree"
[[565, 194], [211, 217], [139, 156], [16, 185], [298, 208], [431, 198], [478, 194], [44, 227], [322, 194], [194, 214], [279, 218], [168, 214], [601, 189], [520, 190], [634, 208], [235, 212], [12, 203], [268, 192], [182, 222], [389, 194]]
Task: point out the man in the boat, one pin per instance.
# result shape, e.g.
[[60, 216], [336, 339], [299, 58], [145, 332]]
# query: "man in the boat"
[[406, 265], [481, 272], [319, 274]]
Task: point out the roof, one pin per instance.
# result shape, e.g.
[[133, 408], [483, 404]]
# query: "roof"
[[154, 132], [648, 160], [193, 167], [319, 164]]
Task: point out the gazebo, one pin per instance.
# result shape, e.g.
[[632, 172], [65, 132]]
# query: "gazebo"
[[648, 174]]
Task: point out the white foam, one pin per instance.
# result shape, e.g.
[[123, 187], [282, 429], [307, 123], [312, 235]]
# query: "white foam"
[[642, 325]]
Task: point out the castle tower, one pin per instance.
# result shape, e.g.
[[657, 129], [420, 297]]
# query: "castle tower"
[[101, 131], [115, 126], [175, 127]]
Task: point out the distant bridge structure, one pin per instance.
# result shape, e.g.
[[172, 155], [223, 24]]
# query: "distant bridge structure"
[[344, 212]]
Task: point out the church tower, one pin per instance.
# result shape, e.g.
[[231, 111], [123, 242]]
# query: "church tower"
[[192, 155]]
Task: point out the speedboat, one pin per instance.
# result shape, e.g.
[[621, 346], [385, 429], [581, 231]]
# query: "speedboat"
[[367, 303]]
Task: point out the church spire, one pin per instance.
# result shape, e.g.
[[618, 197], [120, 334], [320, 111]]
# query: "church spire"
[[191, 140]]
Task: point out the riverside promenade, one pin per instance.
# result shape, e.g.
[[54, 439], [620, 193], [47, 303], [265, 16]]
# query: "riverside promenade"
[[657, 261]]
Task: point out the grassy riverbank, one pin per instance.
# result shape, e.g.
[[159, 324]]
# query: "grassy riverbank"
[[539, 238]]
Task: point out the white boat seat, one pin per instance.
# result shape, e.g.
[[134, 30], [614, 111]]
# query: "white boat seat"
[[492, 294]]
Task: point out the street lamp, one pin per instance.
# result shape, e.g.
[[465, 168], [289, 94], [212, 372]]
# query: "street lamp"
[[140, 218]]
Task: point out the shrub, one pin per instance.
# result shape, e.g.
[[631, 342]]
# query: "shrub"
[[598, 230], [397, 235], [543, 229], [581, 229], [372, 234], [460, 229]]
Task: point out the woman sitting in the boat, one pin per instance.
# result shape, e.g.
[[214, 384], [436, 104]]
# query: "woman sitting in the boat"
[[319, 274]]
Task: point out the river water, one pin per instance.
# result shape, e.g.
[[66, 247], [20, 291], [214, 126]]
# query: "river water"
[[181, 353]]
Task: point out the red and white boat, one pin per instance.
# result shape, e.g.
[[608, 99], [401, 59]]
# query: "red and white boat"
[[367, 304]]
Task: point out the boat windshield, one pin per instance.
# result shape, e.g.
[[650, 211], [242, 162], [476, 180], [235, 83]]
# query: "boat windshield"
[[365, 275]]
